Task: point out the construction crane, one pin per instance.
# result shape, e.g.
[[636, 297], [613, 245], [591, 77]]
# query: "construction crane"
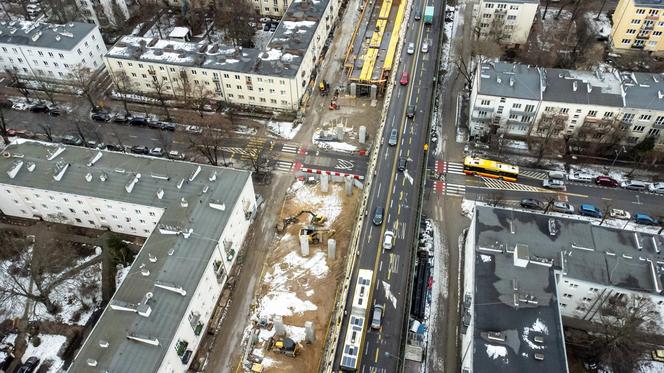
[[316, 234], [315, 220]]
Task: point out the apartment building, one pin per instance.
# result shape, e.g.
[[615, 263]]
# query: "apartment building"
[[195, 218], [275, 78], [504, 21], [532, 269], [104, 13], [271, 8], [514, 100], [638, 24], [49, 51]]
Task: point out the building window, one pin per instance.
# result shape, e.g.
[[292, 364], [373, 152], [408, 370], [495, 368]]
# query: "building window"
[[641, 11], [653, 132], [657, 33], [628, 117], [592, 113], [645, 117], [636, 21], [627, 41], [630, 31], [486, 102]]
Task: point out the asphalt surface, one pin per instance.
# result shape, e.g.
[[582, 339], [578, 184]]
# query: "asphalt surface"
[[398, 192]]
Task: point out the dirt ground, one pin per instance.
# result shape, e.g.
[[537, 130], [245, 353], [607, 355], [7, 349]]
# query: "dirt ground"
[[306, 284]]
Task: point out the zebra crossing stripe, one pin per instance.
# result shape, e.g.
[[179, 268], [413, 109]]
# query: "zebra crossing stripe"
[[454, 168], [284, 165], [505, 185], [289, 149]]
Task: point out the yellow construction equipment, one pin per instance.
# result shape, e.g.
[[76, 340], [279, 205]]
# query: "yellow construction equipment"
[[284, 346], [315, 220], [317, 235]]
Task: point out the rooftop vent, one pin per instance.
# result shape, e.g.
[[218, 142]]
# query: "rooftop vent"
[[152, 258], [660, 95], [146, 340], [183, 202], [57, 38], [92, 362], [538, 356], [217, 205], [575, 85], [103, 176], [103, 343], [88, 177], [130, 185], [180, 183], [195, 173], [160, 193], [60, 169], [94, 159], [144, 309], [31, 166], [511, 82], [56, 152], [171, 287], [16, 167], [213, 176]]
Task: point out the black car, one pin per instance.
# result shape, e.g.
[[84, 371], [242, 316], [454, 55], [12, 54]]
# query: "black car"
[[155, 125], [101, 117], [166, 126], [410, 112], [140, 149], [121, 118], [54, 112], [531, 203], [29, 366], [379, 212], [72, 140], [418, 15], [138, 121], [115, 148], [403, 162], [266, 26], [39, 108]]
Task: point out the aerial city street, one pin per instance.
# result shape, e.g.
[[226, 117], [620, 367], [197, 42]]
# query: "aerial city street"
[[369, 186]]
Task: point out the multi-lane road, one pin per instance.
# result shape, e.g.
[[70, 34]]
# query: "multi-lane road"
[[398, 192]]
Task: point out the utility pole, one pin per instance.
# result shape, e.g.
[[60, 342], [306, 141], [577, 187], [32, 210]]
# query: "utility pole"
[[600, 10]]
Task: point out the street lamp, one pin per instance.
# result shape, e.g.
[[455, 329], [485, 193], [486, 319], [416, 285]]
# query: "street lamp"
[[618, 152], [388, 354]]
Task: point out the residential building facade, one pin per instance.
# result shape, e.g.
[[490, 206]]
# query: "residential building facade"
[[638, 24], [50, 51], [104, 13], [507, 22], [157, 317], [275, 78], [271, 8], [593, 106]]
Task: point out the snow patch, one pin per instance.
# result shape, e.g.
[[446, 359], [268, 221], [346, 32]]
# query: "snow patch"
[[47, 350], [328, 205], [485, 258], [283, 303], [286, 130], [496, 352]]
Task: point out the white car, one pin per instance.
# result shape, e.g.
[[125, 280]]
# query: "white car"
[[425, 47], [411, 48], [553, 184], [174, 154], [22, 106], [388, 241], [619, 214], [193, 129], [581, 177], [656, 187]]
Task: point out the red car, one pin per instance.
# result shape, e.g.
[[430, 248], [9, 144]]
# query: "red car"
[[607, 181], [404, 78]]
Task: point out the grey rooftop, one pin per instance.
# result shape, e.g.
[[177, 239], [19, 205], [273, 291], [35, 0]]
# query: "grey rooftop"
[[44, 35], [513, 1], [649, 3], [181, 259]]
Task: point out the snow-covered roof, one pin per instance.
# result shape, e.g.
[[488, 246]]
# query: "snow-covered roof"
[[179, 32], [175, 255], [44, 35]]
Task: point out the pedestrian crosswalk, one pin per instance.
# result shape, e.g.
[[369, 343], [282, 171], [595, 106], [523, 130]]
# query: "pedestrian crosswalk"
[[254, 147], [453, 168], [449, 189], [286, 148], [285, 166], [538, 175], [239, 151], [506, 185]]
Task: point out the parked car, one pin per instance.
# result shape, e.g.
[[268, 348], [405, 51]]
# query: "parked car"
[[581, 177], [24, 134], [531, 203], [634, 185], [101, 117], [167, 126], [121, 118], [157, 152], [645, 219], [94, 144], [378, 215], [174, 154], [29, 366], [558, 175], [553, 184], [403, 162], [418, 15], [410, 112], [140, 149], [377, 317], [388, 240], [411, 48], [563, 207], [72, 140], [619, 214], [590, 210], [115, 148], [394, 137], [404, 78], [154, 125], [425, 47], [656, 187], [54, 111], [138, 121], [196, 130], [39, 108], [607, 181]]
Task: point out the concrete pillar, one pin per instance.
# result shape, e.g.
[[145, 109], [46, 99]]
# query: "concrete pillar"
[[353, 89], [332, 248], [363, 134], [348, 180], [279, 329], [374, 91], [324, 182], [304, 245], [309, 332], [340, 132]]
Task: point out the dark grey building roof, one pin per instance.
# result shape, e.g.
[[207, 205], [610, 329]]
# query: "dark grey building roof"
[[649, 3], [180, 261], [282, 55], [582, 87], [644, 90], [44, 35], [603, 255], [513, 1], [509, 80]]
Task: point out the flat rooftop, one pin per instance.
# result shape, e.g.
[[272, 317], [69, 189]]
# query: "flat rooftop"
[[176, 261], [282, 55], [44, 35]]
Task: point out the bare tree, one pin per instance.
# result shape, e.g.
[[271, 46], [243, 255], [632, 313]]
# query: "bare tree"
[[548, 126], [79, 130], [123, 87], [82, 77], [200, 98], [233, 18], [4, 105], [549, 203], [210, 145], [17, 82], [159, 88], [46, 88], [47, 130], [260, 164], [606, 210]]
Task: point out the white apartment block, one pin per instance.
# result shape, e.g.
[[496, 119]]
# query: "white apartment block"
[[50, 51], [505, 21], [104, 13], [195, 218], [271, 8], [275, 78], [532, 269], [512, 99]]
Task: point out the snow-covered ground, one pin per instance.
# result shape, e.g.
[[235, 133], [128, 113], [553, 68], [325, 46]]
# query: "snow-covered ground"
[[599, 27], [552, 26], [286, 130], [47, 351], [328, 205], [339, 146]]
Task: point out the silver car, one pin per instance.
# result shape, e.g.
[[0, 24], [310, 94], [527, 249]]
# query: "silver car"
[[563, 207], [411, 48], [377, 317], [394, 137], [553, 184], [425, 47]]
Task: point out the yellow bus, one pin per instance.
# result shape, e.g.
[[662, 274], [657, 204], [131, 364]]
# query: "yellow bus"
[[489, 168]]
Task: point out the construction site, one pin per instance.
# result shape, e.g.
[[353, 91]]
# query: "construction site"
[[297, 289]]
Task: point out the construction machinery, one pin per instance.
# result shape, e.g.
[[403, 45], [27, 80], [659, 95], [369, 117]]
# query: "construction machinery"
[[315, 220], [284, 346], [324, 87], [317, 235]]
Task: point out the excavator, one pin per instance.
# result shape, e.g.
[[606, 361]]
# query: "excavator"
[[315, 220], [283, 345], [316, 235]]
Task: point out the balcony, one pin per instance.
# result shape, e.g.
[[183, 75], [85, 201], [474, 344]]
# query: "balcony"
[[521, 112], [652, 18], [488, 109]]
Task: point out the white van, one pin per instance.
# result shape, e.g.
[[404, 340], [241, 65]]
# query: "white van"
[[634, 185], [557, 175], [581, 177]]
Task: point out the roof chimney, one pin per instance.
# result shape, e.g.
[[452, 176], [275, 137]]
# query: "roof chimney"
[[575, 85], [511, 82], [660, 95]]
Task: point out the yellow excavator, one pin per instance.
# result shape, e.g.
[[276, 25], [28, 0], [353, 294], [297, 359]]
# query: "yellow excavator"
[[317, 235], [315, 220]]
